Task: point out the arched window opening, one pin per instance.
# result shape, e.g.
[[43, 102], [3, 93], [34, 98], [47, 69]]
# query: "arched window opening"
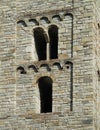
[[53, 35], [45, 88], [40, 43]]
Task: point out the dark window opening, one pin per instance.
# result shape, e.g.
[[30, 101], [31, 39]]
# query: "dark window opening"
[[40, 43], [53, 35], [45, 88]]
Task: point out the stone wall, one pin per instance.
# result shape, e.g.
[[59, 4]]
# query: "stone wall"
[[76, 94], [96, 63]]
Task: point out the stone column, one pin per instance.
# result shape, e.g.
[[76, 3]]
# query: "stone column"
[[48, 51]]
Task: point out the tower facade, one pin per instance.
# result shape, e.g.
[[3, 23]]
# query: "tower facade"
[[49, 65]]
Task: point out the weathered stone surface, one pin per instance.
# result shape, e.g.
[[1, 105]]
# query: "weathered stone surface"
[[75, 73]]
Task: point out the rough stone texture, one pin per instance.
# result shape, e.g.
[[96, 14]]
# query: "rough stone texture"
[[75, 74]]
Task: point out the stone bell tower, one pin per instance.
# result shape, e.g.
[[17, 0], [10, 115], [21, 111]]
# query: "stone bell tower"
[[49, 65]]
